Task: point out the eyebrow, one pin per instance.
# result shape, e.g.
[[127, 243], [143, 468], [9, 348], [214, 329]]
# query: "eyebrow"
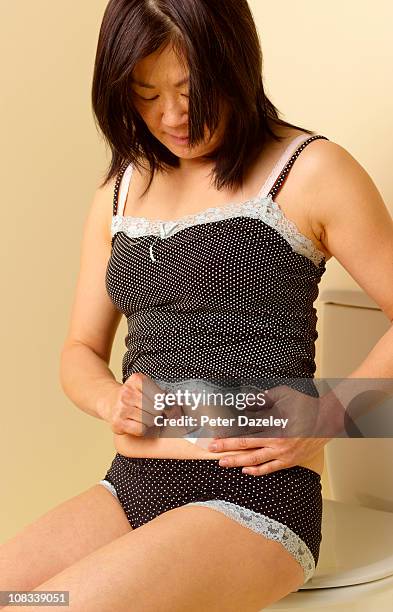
[[148, 86]]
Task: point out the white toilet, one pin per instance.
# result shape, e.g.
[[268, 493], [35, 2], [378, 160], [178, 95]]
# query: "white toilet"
[[355, 568]]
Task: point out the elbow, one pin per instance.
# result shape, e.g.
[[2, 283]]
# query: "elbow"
[[66, 354], [62, 369]]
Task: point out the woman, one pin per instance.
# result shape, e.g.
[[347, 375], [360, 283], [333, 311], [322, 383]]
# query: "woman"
[[223, 219]]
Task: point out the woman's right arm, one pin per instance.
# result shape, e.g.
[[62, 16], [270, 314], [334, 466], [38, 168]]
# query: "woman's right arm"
[[84, 373]]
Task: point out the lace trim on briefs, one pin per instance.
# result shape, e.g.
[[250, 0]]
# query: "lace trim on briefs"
[[272, 529], [109, 486], [264, 208]]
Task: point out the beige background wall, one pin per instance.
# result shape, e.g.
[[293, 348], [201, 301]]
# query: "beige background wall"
[[326, 67]]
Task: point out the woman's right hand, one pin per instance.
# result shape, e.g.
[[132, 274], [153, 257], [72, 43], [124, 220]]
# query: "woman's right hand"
[[129, 408]]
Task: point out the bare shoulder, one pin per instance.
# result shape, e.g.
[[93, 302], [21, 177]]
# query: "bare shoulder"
[[102, 208], [348, 211], [333, 179]]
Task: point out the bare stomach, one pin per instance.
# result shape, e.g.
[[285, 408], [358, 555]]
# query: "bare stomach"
[[177, 448]]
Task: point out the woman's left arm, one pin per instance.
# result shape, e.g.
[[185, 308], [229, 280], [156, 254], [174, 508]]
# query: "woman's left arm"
[[351, 220]]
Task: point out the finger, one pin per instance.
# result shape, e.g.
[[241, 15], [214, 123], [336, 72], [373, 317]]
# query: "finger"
[[135, 428], [265, 468], [128, 426], [154, 393], [135, 381], [146, 387], [246, 459], [141, 391], [242, 443], [158, 401], [141, 416], [130, 410], [273, 394]]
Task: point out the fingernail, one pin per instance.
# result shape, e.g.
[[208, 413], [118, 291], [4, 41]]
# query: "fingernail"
[[224, 462], [213, 446]]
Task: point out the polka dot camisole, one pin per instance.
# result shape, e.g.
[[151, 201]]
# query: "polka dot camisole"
[[224, 296]]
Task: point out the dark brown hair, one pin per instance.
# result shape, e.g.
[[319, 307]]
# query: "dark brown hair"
[[218, 42]]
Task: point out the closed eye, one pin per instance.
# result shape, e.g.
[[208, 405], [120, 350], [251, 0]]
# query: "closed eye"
[[155, 98]]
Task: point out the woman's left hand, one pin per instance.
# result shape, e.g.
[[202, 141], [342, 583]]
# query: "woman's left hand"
[[263, 455]]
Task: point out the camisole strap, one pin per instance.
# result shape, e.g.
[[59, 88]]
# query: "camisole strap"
[[271, 186], [121, 188], [285, 163]]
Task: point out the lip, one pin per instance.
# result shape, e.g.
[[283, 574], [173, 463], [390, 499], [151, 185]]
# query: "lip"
[[179, 139]]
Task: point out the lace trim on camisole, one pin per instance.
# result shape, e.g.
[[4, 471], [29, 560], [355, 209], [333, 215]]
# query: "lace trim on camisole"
[[264, 208], [261, 207]]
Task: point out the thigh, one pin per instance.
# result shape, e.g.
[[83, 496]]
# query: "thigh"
[[60, 537], [188, 558]]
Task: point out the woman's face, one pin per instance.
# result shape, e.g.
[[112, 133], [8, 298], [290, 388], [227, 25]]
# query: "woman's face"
[[160, 94]]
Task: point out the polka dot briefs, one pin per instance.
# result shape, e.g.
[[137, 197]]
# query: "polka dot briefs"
[[224, 296], [285, 505]]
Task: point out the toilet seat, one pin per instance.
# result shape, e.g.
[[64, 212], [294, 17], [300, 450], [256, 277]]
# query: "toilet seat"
[[356, 547], [355, 563], [376, 595]]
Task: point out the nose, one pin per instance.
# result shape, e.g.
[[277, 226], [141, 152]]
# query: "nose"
[[175, 116]]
